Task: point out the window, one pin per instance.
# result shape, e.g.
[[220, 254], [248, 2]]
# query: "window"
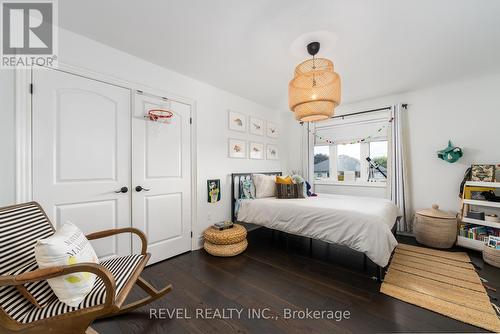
[[348, 160], [338, 162], [357, 139], [321, 162], [378, 155]]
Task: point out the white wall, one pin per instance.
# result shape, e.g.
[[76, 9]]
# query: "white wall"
[[211, 126], [467, 112]]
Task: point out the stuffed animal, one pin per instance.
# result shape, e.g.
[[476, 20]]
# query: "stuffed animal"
[[451, 153], [309, 193]]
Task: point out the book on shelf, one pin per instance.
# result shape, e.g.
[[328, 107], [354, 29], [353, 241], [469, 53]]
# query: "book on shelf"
[[493, 242], [477, 232]]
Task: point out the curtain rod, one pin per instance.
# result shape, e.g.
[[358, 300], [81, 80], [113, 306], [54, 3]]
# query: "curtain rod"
[[367, 111]]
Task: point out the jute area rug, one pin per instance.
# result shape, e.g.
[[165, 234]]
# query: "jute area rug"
[[443, 282]]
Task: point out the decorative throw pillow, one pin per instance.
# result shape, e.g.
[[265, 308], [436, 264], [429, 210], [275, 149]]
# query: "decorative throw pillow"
[[284, 180], [264, 185], [285, 191], [299, 179], [247, 190], [68, 245]]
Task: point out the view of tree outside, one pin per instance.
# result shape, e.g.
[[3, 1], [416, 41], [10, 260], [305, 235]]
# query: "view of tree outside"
[[320, 157], [321, 161]]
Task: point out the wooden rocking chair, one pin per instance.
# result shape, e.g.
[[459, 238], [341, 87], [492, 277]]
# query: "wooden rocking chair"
[[20, 227]]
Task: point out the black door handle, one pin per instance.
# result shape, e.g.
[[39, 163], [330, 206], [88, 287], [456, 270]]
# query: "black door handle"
[[122, 190], [139, 189]]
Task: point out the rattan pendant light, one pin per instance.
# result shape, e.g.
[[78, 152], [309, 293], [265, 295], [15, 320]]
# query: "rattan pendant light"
[[314, 91]]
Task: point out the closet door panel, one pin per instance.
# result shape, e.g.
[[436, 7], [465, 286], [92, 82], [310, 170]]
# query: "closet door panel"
[[81, 154], [161, 158], [78, 113]]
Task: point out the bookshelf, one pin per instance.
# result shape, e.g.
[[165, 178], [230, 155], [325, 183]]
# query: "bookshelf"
[[482, 203], [472, 243]]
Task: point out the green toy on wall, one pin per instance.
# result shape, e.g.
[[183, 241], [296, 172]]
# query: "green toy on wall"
[[451, 153]]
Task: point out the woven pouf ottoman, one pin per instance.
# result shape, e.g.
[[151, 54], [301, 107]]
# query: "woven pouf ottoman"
[[229, 242]]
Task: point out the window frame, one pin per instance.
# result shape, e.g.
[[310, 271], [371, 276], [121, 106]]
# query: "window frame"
[[376, 117], [364, 153]]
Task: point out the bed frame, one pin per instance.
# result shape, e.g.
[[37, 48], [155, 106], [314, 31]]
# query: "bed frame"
[[235, 194]]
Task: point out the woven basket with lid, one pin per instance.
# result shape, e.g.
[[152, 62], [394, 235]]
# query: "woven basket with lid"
[[491, 256], [435, 228]]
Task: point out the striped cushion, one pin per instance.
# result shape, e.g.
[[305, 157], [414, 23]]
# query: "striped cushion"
[[20, 228], [21, 310]]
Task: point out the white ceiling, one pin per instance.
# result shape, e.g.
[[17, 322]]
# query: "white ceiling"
[[250, 47]]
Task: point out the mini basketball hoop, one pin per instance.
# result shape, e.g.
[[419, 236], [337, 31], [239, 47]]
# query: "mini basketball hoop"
[[159, 115]]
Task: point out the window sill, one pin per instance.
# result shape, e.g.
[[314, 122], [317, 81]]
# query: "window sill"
[[351, 183]]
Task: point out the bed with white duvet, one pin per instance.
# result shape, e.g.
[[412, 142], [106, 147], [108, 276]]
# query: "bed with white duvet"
[[361, 223]]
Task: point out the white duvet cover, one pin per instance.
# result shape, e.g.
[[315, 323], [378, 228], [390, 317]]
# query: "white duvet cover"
[[361, 223]]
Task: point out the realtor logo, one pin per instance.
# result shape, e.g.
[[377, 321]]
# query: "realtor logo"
[[28, 33]]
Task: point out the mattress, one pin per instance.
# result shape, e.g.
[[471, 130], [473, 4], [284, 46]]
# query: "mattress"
[[360, 223]]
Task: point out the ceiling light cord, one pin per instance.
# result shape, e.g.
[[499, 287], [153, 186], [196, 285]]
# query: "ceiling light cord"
[[314, 70]]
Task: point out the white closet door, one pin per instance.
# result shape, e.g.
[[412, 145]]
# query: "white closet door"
[[161, 155], [81, 154]]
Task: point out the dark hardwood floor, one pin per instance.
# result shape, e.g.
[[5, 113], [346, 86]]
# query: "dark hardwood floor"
[[277, 276]]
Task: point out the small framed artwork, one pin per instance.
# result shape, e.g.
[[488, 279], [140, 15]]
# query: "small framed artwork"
[[272, 152], [213, 191], [256, 151], [256, 126], [483, 173], [237, 121], [237, 148], [272, 130]]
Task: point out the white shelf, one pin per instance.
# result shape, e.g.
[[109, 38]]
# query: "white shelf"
[[470, 243], [482, 203], [480, 222], [483, 184]]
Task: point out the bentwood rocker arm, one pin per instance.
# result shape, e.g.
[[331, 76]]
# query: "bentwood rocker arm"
[[111, 232], [85, 316]]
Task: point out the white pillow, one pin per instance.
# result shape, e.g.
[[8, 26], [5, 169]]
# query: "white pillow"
[[68, 245], [265, 185]]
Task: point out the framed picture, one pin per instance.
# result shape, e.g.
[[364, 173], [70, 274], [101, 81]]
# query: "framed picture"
[[484, 173], [213, 191], [237, 121], [272, 130], [256, 126], [256, 151], [237, 148], [272, 152]]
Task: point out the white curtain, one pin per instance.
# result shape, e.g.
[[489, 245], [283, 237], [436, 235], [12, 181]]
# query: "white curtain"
[[307, 153], [398, 171]]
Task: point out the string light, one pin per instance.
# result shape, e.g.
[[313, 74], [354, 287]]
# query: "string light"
[[332, 142]]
